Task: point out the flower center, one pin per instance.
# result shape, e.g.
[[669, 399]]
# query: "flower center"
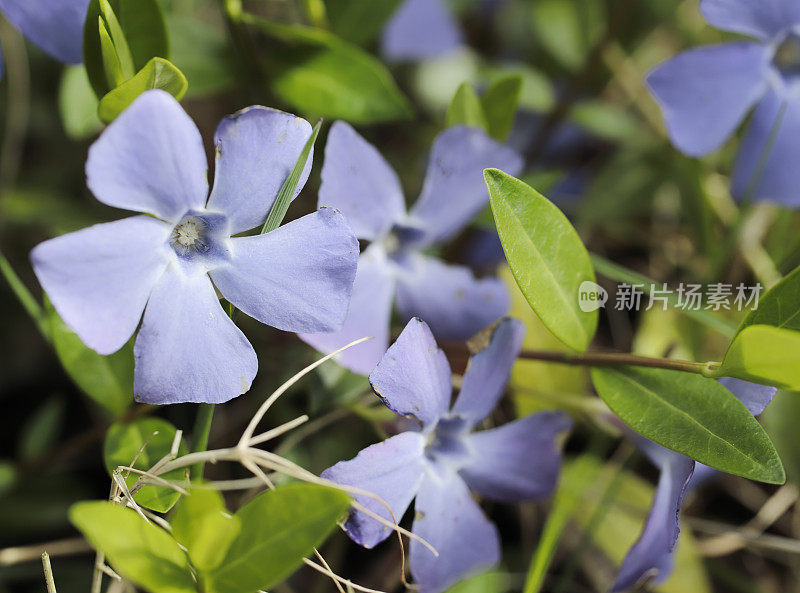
[[787, 55], [190, 235], [447, 444]]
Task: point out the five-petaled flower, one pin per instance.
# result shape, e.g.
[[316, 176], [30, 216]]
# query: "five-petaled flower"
[[652, 554], [54, 25], [100, 279], [359, 182], [705, 93], [442, 460]]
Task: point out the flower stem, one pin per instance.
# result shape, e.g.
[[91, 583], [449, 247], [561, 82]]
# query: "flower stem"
[[613, 359], [202, 428], [26, 299]]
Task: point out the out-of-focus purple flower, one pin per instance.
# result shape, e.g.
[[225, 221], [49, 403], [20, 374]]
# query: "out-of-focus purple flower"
[[705, 93], [102, 278], [443, 460], [359, 182], [419, 30], [652, 554], [54, 25]]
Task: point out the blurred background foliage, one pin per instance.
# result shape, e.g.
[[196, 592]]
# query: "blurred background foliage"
[[594, 144]]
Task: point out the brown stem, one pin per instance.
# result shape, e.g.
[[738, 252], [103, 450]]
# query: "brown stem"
[[612, 359]]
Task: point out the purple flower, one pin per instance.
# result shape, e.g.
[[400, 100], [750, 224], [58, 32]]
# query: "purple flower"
[[359, 182], [100, 279], [442, 461], [420, 29], [705, 93], [54, 25], [651, 556]]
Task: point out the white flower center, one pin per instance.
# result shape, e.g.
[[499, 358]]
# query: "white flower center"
[[190, 235]]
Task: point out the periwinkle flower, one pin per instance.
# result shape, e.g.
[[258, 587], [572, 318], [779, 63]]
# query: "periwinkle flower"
[[652, 554], [419, 30], [54, 25], [359, 182], [443, 460], [170, 264], [705, 93]]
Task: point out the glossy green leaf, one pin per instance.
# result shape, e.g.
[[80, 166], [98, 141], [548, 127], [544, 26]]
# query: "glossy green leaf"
[[763, 354], [77, 104], [693, 415], [466, 109], [546, 256], [121, 48], [780, 422], [323, 76], [108, 380], [202, 525], [111, 62], [139, 551], [144, 30], [157, 74], [359, 21], [123, 443], [500, 102], [278, 529], [779, 307]]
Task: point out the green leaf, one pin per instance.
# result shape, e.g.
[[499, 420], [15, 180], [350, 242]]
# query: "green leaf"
[[763, 354], [779, 307], [289, 187], [202, 524], [108, 380], [157, 74], [111, 62], [323, 76], [693, 415], [466, 109], [142, 25], [139, 551], [780, 422], [576, 479], [121, 48], [203, 54], [124, 441], [77, 104], [278, 529], [606, 120], [488, 582], [358, 21], [546, 256], [42, 429], [568, 29], [500, 102]]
